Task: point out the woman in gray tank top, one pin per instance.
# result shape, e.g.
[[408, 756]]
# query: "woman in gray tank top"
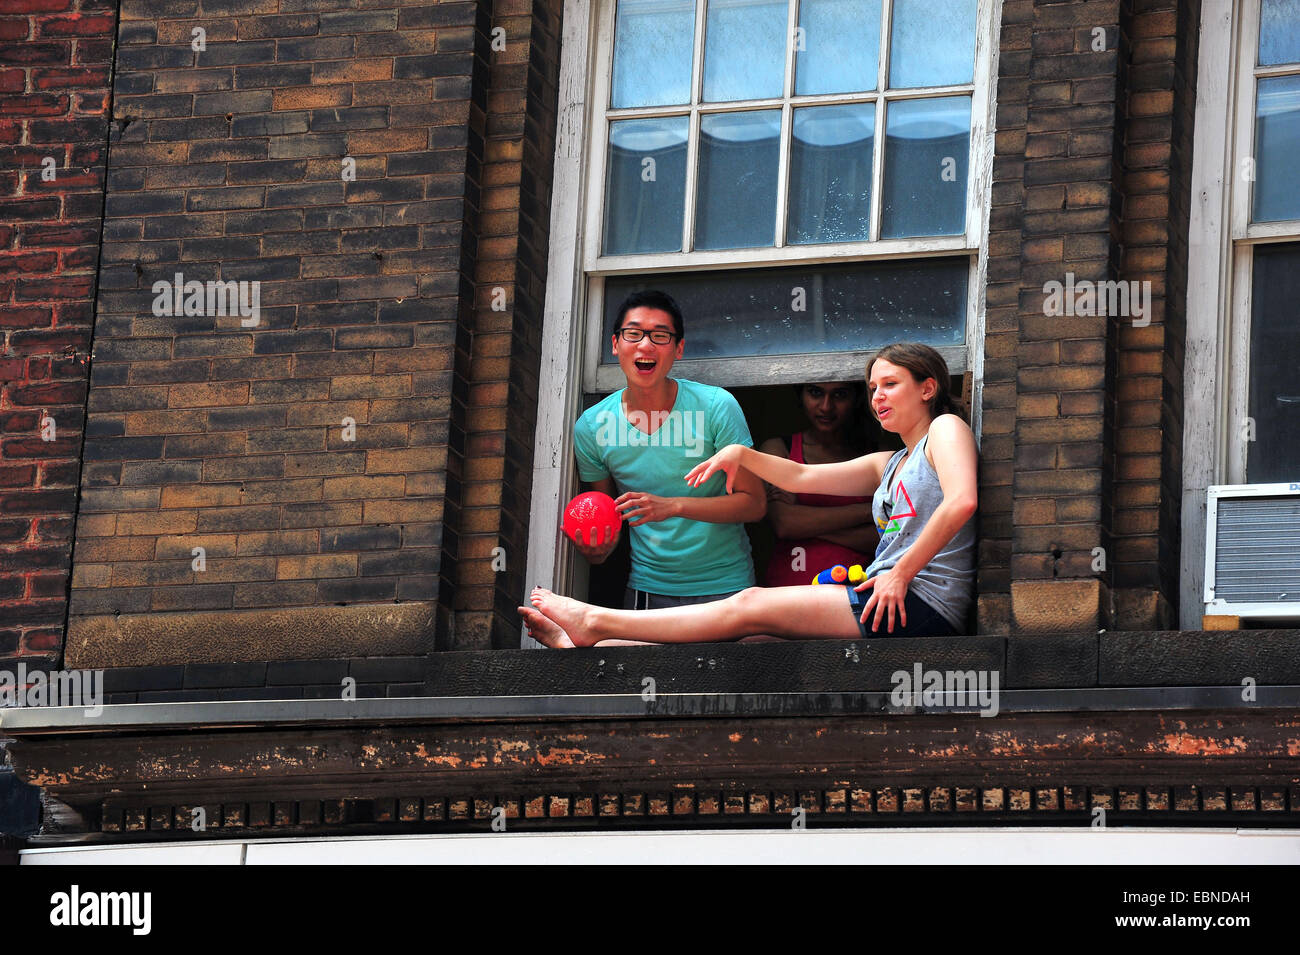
[[923, 497]]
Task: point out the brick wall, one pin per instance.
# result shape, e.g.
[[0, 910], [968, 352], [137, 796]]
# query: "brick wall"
[[204, 431], [409, 302], [1081, 420], [513, 230], [1162, 42], [54, 74]]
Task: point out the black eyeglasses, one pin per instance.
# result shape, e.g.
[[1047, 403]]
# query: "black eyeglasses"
[[658, 336]]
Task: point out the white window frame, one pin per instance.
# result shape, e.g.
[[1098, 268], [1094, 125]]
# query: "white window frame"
[[1221, 247], [572, 327]]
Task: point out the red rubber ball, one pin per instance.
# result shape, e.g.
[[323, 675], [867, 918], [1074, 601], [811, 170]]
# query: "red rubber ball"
[[590, 512]]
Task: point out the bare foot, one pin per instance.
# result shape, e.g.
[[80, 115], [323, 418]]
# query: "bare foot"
[[570, 616], [544, 630]]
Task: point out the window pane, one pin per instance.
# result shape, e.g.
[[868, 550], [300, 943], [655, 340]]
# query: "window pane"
[[830, 174], [646, 190], [744, 49], [927, 143], [1277, 143], [844, 307], [932, 47], [736, 204], [1279, 32], [1274, 455], [841, 40], [658, 32]]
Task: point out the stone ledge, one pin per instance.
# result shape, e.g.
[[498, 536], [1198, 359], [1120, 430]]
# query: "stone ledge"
[[237, 636]]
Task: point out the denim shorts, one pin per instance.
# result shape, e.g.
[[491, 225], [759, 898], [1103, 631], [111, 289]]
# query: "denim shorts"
[[642, 600], [922, 619]]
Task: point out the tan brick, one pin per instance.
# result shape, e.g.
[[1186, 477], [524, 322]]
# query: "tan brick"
[[370, 386], [1059, 430], [413, 359], [208, 394], [426, 485], [201, 495], [386, 141], [92, 575], [392, 93], [1035, 511], [352, 71], [406, 511], [278, 542], [162, 522], [214, 545], [366, 487], [91, 550], [1056, 606], [316, 566], [484, 469], [153, 573], [165, 422], [403, 461], [1038, 406], [329, 413], [311, 96]]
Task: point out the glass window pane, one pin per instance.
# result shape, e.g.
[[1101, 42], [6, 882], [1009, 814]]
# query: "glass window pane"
[[736, 203], [1274, 455], [1279, 32], [658, 32], [844, 307], [1277, 143], [744, 49], [830, 174], [646, 189], [841, 46], [927, 145], [932, 47]]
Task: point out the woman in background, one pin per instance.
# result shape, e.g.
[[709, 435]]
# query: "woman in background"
[[817, 531]]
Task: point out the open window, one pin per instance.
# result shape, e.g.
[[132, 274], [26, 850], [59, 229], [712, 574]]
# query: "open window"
[[806, 177]]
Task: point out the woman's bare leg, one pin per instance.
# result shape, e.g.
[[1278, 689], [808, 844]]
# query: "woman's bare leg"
[[808, 612]]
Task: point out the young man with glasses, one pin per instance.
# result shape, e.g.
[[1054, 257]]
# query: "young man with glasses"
[[688, 544]]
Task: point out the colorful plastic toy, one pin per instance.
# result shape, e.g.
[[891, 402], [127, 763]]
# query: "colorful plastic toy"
[[839, 574], [588, 515]]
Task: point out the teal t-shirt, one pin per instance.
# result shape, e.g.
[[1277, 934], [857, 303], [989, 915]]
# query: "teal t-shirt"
[[678, 557]]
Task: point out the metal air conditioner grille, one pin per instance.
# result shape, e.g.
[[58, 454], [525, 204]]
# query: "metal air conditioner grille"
[[1257, 550]]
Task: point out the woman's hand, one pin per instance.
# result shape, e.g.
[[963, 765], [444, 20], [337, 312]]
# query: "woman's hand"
[[638, 508], [727, 461], [887, 597]]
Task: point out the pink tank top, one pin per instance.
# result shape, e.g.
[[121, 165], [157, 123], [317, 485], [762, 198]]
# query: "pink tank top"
[[818, 554]]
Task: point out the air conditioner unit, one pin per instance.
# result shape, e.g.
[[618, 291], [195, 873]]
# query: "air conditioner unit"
[[1252, 551]]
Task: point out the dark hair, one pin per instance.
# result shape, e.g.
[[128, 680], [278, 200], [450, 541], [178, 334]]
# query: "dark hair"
[[651, 298], [923, 362], [855, 425]]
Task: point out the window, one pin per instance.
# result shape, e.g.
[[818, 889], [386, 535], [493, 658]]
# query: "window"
[[742, 152], [1265, 334], [807, 177], [1242, 391]]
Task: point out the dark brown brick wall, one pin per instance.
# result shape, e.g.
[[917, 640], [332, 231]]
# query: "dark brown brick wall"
[[1146, 506], [380, 303], [513, 229], [55, 57], [226, 164], [1081, 423]]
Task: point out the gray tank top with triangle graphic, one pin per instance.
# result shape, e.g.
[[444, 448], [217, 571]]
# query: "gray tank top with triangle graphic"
[[903, 505]]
